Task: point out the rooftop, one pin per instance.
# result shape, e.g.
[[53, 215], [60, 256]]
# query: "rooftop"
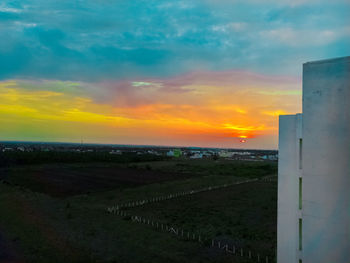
[[332, 60]]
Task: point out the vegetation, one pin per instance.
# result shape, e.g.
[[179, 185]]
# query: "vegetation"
[[246, 169], [242, 215], [43, 227], [14, 158]]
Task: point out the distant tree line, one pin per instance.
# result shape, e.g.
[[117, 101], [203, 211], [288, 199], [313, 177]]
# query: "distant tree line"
[[41, 157]]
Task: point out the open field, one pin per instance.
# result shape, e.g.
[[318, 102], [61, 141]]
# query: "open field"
[[205, 167], [68, 179], [57, 213], [243, 215], [46, 230], [63, 180]]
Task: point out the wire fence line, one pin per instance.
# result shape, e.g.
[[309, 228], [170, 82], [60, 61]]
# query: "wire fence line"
[[181, 194], [182, 234], [254, 256]]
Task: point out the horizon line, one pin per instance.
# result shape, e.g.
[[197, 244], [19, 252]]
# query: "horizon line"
[[134, 145]]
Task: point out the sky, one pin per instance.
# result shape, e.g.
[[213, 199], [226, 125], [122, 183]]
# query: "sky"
[[210, 73]]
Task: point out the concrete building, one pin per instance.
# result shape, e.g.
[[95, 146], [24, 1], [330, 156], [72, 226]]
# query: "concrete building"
[[314, 169], [174, 153], [289, 177], [197, 156], [225, 154]]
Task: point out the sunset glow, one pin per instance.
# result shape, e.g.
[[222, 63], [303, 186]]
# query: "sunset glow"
[[183, 73], [193, 113]]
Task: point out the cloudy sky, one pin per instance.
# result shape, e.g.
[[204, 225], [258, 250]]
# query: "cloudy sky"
[[160, 72]]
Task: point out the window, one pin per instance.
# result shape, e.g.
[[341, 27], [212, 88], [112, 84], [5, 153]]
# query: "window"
[[300, 153], [300, 193], [300, 234]]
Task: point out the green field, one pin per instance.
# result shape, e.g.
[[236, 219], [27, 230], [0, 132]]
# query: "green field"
[[38, 226]]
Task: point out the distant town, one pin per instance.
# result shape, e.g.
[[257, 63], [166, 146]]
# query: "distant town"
[[164, 151]]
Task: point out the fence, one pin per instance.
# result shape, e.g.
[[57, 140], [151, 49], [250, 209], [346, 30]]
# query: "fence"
[[186, 235], [195, 237], [181, 194], [243, 253]]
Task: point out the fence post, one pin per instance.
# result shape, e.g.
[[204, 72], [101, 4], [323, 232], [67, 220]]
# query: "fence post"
[[267, 259], [241, 252], [250, 254], [258, 258]]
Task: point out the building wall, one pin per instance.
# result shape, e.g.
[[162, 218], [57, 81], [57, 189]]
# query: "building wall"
[[288, 189], [326, 161]]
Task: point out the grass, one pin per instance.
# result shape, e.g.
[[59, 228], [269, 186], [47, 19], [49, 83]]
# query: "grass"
[[45, 229], [204, 167], [244, 215], [78, 228]]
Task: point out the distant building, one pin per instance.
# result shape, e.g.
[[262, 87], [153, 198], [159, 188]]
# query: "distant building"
[[21, 149], [7, 149], [208, 154], [314, 169], [174, 153], [225, 154], [241, 153], [177, 153], [152, 152], [197, 156], [272, 157], [170, 153], [118, 152]]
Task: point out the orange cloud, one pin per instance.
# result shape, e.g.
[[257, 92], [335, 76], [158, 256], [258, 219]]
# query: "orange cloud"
[[275, 113], [204, 109]]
